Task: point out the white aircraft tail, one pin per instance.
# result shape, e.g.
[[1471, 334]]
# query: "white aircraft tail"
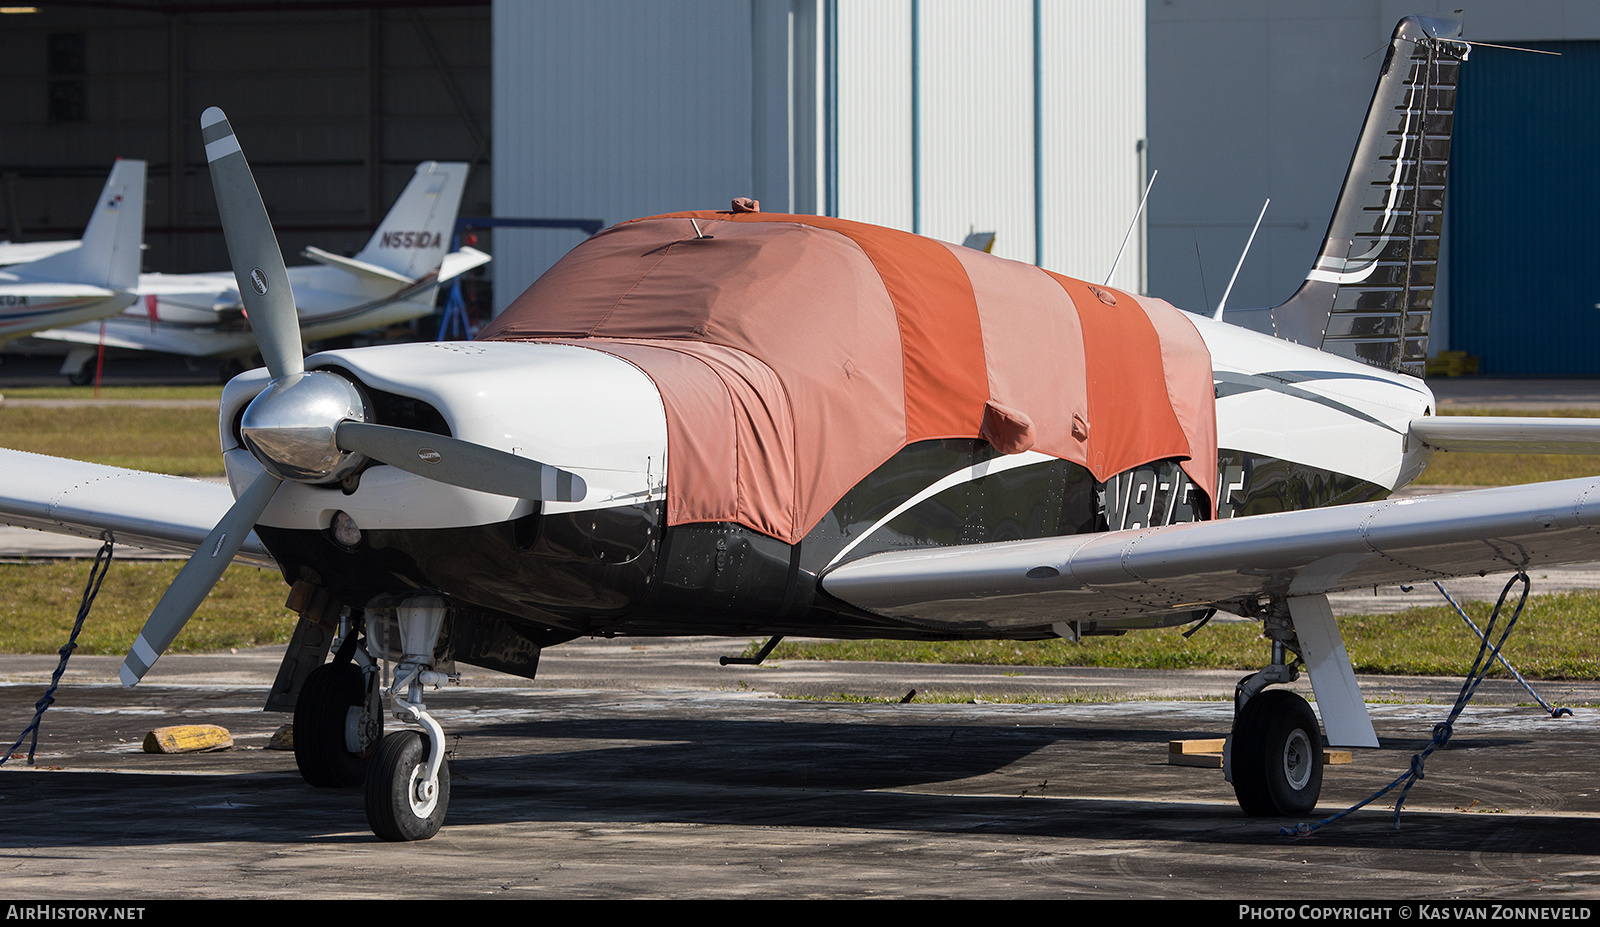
[[1369, 296], [109, 254], [415, 235]]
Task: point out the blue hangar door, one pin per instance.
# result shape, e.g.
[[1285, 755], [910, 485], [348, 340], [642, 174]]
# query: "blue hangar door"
[[1524, 211]]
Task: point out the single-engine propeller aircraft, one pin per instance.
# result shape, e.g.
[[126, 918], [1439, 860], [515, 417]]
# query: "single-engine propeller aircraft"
[[749, 424], [393, 279], [64, 283]]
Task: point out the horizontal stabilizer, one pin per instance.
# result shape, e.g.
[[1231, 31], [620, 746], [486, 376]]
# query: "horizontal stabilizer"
[[1507, 435], [359, 268], [13, 252], [141, 509], [457, 263]]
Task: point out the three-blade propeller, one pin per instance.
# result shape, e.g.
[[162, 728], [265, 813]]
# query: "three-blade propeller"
[[307, 425]]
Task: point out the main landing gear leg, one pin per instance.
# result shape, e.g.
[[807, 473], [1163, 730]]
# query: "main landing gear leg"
[[408, 784], [1274, 755]]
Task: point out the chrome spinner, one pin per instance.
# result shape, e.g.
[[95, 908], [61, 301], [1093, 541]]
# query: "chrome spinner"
[[292, 426]]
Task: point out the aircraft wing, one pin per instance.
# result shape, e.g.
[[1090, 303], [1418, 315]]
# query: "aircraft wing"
[[89, 335], [1222, 563], [186, 284], [141, 509], [56, 290]]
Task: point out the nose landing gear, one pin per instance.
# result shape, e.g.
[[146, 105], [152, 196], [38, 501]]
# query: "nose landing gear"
[[407, 790], [404, 800]]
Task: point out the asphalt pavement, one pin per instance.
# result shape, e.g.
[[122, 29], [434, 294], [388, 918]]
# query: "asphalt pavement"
[[643, 769]]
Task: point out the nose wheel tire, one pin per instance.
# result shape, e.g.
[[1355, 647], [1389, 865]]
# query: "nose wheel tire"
[[322, 714], [401, 804], [1276, 755]]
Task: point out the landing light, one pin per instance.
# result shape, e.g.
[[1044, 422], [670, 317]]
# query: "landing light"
[[345, 530]]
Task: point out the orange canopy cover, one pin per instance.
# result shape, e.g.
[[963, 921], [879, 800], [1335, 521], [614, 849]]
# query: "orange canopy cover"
[[795, 354]]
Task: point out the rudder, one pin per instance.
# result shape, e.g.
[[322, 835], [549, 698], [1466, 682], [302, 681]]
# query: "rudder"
[[414, 236], [1369, 296], [110, 253]]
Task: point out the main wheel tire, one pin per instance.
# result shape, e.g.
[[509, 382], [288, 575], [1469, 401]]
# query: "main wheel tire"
[[395, 809], [321, 714], [1276, 755]]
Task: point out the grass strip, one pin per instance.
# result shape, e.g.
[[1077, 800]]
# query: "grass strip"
[[39, 601], [86, 393], [1557, 637], [177, 441]]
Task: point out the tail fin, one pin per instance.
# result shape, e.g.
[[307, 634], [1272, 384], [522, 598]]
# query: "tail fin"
[[109, 254], [1370, 294], [416, 233]]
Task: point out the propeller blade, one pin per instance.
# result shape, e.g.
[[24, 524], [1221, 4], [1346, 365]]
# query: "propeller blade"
[[253, 249], [461, 463], [195, 580]]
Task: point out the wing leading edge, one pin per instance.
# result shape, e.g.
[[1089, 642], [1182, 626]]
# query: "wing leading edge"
[[141, 509], [1129, 575]]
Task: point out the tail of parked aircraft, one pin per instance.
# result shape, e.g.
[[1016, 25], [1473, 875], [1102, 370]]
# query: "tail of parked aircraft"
[[109, 254], [1369, 296], [415, 235]]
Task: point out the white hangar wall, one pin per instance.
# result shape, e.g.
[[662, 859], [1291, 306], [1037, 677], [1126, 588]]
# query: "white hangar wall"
[[1251, 99], [918, 114]]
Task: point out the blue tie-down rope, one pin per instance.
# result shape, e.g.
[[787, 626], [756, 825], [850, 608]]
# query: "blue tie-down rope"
[[1442, 730], [97, 573], [1553, 711]]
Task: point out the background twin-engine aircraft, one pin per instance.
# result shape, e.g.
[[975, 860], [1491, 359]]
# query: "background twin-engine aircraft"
[[393, 279], [747, 424]]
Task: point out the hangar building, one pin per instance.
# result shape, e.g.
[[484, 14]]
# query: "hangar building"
[[1037, 120]]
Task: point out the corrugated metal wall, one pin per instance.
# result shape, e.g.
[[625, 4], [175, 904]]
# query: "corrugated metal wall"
[[1524, 197], [614, 109], [975, 161], [1094, 136]]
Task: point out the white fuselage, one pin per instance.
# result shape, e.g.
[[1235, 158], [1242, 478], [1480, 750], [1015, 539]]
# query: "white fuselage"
[[199, 315], [1289, 402], [603, 419], [24, 315], [583, 411]]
